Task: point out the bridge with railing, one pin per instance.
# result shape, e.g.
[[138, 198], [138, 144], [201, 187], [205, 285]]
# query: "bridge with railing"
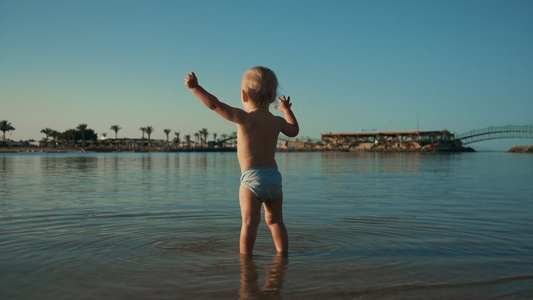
[[495, 132]]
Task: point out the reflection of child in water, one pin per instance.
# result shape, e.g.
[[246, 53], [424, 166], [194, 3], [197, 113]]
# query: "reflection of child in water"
[[274, 280], [257, 138]]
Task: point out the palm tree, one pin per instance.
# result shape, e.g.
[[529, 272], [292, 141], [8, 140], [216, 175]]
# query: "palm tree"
[[188, 140], [47, 132], [205, 133], [143, 129], [5, 126], [149, 130], [115, 128], [55, 135], [196, 136], [70, 135], [82, 128], [167, 132]]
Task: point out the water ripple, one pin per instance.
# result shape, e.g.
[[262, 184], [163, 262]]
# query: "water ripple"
[[360, 226]]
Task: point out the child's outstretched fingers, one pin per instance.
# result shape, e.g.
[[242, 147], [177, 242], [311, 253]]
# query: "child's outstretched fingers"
[[284, 103]]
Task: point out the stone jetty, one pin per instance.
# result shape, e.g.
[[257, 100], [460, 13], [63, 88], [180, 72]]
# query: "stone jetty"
[[521, 149]]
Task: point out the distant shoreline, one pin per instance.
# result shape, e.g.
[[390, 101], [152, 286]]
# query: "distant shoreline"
[[103, 150], [514, 149], [38, 150]]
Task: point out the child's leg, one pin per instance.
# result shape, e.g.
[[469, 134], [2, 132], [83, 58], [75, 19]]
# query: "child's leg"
[[274, 219], [251, 216]]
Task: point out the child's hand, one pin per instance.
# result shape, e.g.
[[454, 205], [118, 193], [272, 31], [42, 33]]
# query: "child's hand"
[[191, 81], [284, 104]]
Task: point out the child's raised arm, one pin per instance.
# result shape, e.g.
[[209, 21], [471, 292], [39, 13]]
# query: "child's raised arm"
[[289, 125], [229, 113]]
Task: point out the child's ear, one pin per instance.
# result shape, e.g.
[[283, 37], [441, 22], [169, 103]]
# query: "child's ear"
[[244, 96]]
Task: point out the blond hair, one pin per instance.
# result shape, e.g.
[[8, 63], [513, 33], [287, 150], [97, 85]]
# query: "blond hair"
[[261, 84]]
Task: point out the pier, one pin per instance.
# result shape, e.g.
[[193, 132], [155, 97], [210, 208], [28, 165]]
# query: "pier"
[[437, 140]]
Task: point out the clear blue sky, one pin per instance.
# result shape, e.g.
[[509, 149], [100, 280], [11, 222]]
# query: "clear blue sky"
[[347, 65]]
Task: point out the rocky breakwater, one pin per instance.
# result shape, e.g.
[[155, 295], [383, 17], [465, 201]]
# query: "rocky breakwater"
[[521, 149]]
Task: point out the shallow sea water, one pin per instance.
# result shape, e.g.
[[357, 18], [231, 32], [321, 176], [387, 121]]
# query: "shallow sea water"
[[361, 226]]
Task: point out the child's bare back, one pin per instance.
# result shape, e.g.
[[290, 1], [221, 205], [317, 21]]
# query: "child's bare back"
[[257, 138]]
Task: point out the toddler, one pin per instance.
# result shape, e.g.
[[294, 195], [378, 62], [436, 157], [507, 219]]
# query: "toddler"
[[257, 138]]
